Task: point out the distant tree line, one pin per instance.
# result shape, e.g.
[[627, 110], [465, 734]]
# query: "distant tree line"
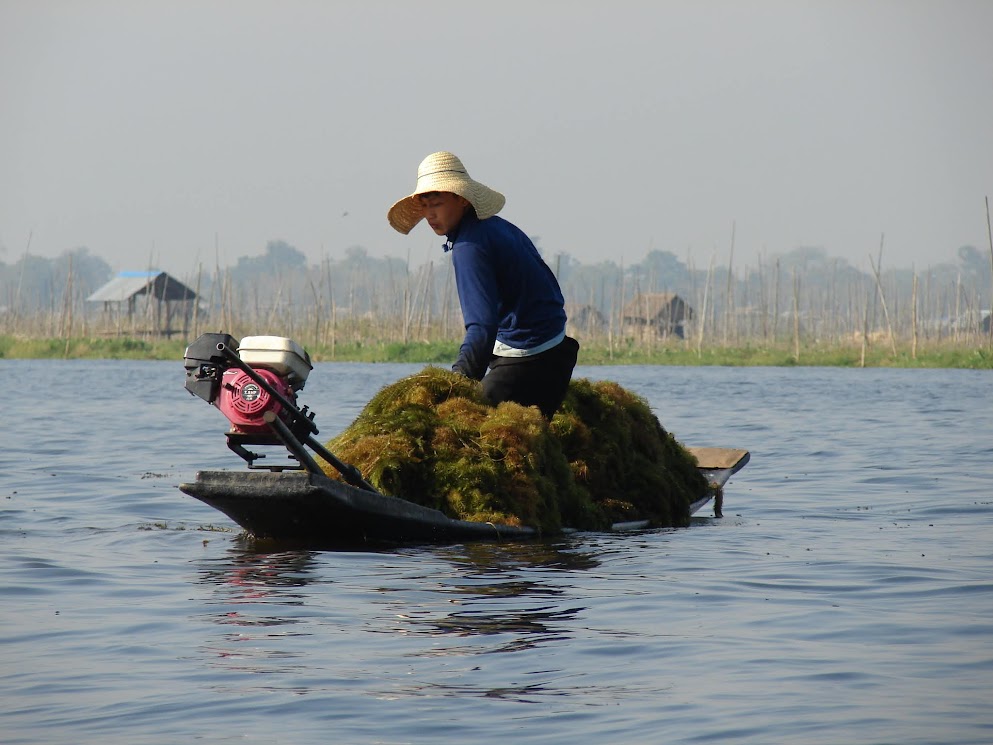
[[803, 292]]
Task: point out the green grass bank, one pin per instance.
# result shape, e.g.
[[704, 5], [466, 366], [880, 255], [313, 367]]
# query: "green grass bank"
[[943, 354]]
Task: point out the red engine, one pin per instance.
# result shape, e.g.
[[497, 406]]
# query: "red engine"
[[243, 401], [257, 383]]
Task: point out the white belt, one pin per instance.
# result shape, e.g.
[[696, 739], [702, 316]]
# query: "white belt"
[[504, 350]]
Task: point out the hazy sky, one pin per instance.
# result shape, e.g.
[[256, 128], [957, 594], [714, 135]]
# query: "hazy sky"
[[148, 130]]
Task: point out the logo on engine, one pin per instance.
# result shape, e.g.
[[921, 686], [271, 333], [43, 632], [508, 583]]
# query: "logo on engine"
[[250, 392]]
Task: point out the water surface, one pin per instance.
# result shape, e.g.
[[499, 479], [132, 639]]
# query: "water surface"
[[846, 596]]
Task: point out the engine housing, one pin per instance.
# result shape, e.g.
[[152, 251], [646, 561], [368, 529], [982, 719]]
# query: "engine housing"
[[243, 401]]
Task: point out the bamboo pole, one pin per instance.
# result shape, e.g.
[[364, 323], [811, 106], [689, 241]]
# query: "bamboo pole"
[[196, 303], [220, 286], [989, 237], [334, 308], [882, 295], [317, 308], [67, 311], [271, 320], [406, 299], [160, 331], [763, 301], [796, 316], [958, 307], [20, 280], [775, 306], [703, 314], [865, 331], [913, 311], [446, 308], [729, 292], [831, 307], [428, 301], [149, 294], [226, 300]]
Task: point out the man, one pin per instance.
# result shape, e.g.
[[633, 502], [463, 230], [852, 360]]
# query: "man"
[[511, 302]]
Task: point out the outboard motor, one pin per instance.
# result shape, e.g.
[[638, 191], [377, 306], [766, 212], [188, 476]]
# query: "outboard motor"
[[278, 361], [254, 383], [241, 397]]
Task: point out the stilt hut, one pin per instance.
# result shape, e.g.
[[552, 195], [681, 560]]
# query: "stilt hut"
[[146, 303], [584, 321], [657, 313]]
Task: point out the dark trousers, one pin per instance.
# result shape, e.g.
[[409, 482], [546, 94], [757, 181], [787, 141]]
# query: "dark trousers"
[[540, 380]]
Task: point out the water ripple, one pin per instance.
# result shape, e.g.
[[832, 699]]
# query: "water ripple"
[[846, 595]]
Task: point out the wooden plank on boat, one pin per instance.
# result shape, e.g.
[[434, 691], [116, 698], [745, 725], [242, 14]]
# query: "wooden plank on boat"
[[732, 459]]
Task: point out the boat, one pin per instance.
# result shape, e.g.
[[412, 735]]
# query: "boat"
[[310, 508], [254, 384]]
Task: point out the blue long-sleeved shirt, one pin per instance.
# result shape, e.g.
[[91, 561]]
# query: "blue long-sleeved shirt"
[[507, 292]]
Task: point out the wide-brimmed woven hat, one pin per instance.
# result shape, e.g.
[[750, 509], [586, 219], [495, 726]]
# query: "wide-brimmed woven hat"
[[443, 172]]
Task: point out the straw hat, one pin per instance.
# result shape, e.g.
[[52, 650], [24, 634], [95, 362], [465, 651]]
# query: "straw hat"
[[444, 172]]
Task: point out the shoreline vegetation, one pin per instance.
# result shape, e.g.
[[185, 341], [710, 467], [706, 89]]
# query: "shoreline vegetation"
[[803, 308], [946, 353]]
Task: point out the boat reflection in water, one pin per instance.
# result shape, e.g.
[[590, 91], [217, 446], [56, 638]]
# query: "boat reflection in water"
[[475, 598]]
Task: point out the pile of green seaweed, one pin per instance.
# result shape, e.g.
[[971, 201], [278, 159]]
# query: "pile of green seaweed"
[[432, 439]]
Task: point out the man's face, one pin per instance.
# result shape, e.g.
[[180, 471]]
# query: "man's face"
[[443, 210]]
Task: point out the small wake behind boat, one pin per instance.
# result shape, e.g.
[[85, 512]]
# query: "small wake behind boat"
[[255, 384]]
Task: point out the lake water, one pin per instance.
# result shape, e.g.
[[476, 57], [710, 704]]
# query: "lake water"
[[846, 596]]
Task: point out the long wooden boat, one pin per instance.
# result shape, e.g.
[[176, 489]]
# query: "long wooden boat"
[[254, 383], [304, 507]]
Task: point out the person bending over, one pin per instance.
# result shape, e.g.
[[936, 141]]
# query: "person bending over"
[[512, 305]]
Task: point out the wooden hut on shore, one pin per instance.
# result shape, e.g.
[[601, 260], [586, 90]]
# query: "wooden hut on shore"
[[657, 313], [146, 303], [584, 321]]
